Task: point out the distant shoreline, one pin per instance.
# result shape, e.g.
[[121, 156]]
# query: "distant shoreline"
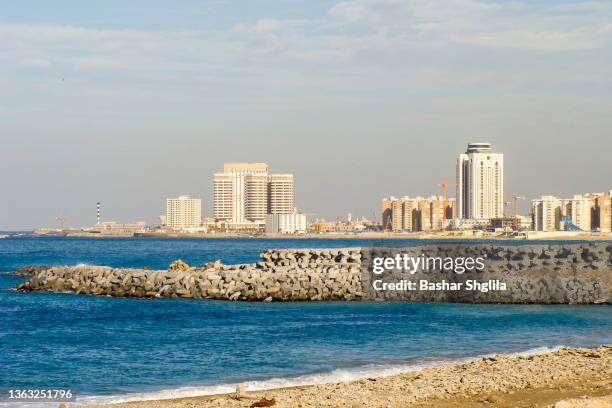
[[365, 235]]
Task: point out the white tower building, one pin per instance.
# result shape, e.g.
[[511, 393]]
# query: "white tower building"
[[480, 183]]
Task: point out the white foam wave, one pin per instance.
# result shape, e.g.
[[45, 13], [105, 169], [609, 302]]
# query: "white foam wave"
[[334, 376]]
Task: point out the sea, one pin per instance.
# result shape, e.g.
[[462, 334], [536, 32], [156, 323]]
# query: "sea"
[[117, 349]]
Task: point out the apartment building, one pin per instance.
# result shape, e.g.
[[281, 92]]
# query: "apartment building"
[[280, 194], [183, 212], [586, 212], [417, 213], [602, 214], [578, 211], [546, 213]]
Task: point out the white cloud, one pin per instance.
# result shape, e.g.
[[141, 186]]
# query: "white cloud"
[[350, 28], [357, 45]]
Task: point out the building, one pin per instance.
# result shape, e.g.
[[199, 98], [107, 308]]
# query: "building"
[[586, 212], [387, 204], [397, 215], [480, 183], [465, 224], [602, 212], [115, 228], [286, 223], [245, 193], [518, 223], [280, 194], [546, 212], [577, 212], [408, 214], [183, 213]]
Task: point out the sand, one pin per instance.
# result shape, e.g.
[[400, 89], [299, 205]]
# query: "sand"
[[565, 378]]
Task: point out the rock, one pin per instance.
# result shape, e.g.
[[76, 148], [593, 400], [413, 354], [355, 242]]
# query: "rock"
[[264, 402], [178, 265], [31, 269]]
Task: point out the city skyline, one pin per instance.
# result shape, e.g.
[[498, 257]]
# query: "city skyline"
[[209, 212], [360, 99]]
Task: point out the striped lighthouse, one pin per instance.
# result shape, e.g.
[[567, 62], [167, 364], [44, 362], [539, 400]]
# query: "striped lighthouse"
[[98, 212]]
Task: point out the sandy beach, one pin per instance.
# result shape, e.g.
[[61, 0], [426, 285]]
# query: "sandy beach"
[[568, 377]]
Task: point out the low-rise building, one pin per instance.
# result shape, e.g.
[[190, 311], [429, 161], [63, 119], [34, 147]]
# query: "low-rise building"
[[286, 223], [116, 228], [469, 224]]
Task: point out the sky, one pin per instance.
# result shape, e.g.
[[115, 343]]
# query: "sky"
[[128, 103]]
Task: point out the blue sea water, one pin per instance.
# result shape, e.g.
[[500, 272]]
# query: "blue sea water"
[[113, 349]]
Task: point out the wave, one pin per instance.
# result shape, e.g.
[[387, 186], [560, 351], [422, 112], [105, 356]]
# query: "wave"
[[333, 376]]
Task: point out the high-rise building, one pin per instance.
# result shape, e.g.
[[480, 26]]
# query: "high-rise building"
[[480, 183], [410, 206], [183, 212], [578, 211], [223, 196], [280, 194], [387, 203], [245, 193], [397, 215], [546, 213], [602, 212]]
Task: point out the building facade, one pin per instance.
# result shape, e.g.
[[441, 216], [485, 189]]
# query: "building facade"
[[480, 183], [280, 194], [245, 193], [408, 214], [602, 212], [286, 223], [183, 212], [387, 204], [546, 213], [578, 211], [583, 212]]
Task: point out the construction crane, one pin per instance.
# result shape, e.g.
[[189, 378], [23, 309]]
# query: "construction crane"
[[444, 184]]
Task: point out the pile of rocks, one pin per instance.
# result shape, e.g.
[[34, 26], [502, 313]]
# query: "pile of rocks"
[[309, 274], [576, 273]]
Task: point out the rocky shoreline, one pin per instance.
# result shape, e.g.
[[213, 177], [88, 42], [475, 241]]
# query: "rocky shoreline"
[[537, 380], [543, 274]]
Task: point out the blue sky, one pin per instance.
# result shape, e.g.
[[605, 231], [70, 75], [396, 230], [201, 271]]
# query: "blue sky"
[[130, 102]]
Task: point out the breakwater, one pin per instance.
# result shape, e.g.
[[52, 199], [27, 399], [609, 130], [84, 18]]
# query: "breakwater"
[[575, 273]]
